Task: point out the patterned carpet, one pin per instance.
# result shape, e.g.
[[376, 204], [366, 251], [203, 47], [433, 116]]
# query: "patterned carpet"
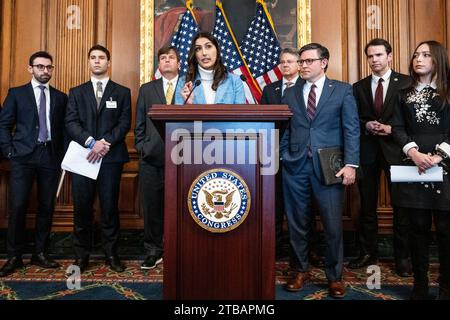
[[99, 283]]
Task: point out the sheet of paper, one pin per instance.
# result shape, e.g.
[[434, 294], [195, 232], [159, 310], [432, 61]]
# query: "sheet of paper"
[[75, 161], [411, 174]]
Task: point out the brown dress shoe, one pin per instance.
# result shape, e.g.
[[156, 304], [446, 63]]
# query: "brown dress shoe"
[[336, 289], [296, 283]]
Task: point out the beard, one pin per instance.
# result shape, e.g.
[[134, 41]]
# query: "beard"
[[44, 78]]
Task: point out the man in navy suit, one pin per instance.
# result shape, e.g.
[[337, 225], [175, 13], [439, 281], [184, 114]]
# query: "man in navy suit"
[[99, 117], [325, 115], [35, 149], [150, 147]]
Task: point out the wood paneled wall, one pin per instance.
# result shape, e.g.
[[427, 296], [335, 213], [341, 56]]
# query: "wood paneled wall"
[[68, 28]]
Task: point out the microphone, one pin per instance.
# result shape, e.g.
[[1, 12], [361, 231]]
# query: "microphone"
[[244, 79], [196, 84]]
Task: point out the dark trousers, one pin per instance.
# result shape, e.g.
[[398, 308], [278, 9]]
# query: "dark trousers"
[[298, 190], [420, 237], [84, 190], [368, 220], [151, 185], [42, 165]]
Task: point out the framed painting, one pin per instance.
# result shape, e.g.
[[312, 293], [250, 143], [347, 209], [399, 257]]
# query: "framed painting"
[[159, 19]]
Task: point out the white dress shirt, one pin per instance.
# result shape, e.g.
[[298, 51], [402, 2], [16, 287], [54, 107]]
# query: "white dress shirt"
[[166, 84], [319, 88], [387, 78], [37, 96], [285, 81]]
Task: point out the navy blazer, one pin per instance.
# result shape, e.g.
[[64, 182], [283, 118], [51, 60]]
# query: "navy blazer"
[[20, 111], [112, 124], [336, 123]]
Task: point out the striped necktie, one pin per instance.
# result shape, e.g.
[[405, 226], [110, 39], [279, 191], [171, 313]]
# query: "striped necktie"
[[311, 108]]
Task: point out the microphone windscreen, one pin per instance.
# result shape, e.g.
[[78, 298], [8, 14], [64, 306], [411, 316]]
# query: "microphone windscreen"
[[243, 78], [197, 82]]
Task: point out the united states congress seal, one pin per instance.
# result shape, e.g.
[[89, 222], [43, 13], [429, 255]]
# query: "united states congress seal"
[[219, 200]]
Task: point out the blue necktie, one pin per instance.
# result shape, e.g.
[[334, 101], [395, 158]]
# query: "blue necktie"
[[43, 134]]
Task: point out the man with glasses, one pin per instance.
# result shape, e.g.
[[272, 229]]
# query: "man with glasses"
[[272, 94], [325, 115], [31, 137]]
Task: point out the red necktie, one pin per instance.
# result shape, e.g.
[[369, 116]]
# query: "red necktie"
[[311, 108], [378, 103]]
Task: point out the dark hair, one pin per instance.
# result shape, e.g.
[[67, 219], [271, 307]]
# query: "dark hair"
[[378, 42], [100, 48], [39, 54], [167, 49], [292, 51], [441, 70], [220, 72], [321, 50]]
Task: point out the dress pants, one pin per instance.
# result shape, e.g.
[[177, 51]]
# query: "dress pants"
[[151, 185], [368, 186], [420, 238], [42, 165], [298, 188], [84, 190]]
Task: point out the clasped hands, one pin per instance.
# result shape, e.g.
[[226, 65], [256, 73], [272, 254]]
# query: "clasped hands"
[[99, 150], [377, 128], [423, 161]]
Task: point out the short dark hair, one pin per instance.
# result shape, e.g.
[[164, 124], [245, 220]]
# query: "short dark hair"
[[100, 48], [321, 50], [378, 42], [166, 50], [291, 51], [40, 54]]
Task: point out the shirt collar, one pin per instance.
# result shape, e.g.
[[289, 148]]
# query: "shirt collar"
[[36, 83], [385, 76], [421, 86], [166, 81], [103, 81], [319, 83], [293, 81]]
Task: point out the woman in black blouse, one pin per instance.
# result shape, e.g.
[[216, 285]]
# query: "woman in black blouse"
[[421, 127]]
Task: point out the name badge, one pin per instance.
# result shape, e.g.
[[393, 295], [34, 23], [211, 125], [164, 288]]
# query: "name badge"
[[111, 104]]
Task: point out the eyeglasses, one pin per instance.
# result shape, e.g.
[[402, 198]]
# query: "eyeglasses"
[[308, 61], [41, 67], [288, 61]]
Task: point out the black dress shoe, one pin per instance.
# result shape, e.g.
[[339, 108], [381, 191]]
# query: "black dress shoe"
[[82, 263], [362, 261], [114, 263], [43, 261], [444, 294], [151, 262], [10, 266], [420, 292]]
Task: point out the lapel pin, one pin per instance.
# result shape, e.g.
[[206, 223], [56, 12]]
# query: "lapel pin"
[[277, 89]]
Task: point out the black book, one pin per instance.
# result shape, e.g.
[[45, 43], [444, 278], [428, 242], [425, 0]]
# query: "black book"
[[331, 161]]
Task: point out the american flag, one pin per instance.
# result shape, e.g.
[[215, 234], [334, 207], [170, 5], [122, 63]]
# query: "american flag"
[[182, 40], [231, 55], [261, 48]]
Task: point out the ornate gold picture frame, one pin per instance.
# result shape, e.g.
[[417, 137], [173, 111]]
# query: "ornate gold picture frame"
[[303, 28]]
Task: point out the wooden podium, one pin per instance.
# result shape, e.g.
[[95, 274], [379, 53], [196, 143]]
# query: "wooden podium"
[[202, 263]]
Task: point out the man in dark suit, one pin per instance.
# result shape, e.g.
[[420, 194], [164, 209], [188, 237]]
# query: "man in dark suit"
[[99, 117], [325, 115], [35, 149], [376, 96], [272, 94], [150, 147]]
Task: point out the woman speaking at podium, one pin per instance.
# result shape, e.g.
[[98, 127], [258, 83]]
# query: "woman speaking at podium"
[[207, 80]]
